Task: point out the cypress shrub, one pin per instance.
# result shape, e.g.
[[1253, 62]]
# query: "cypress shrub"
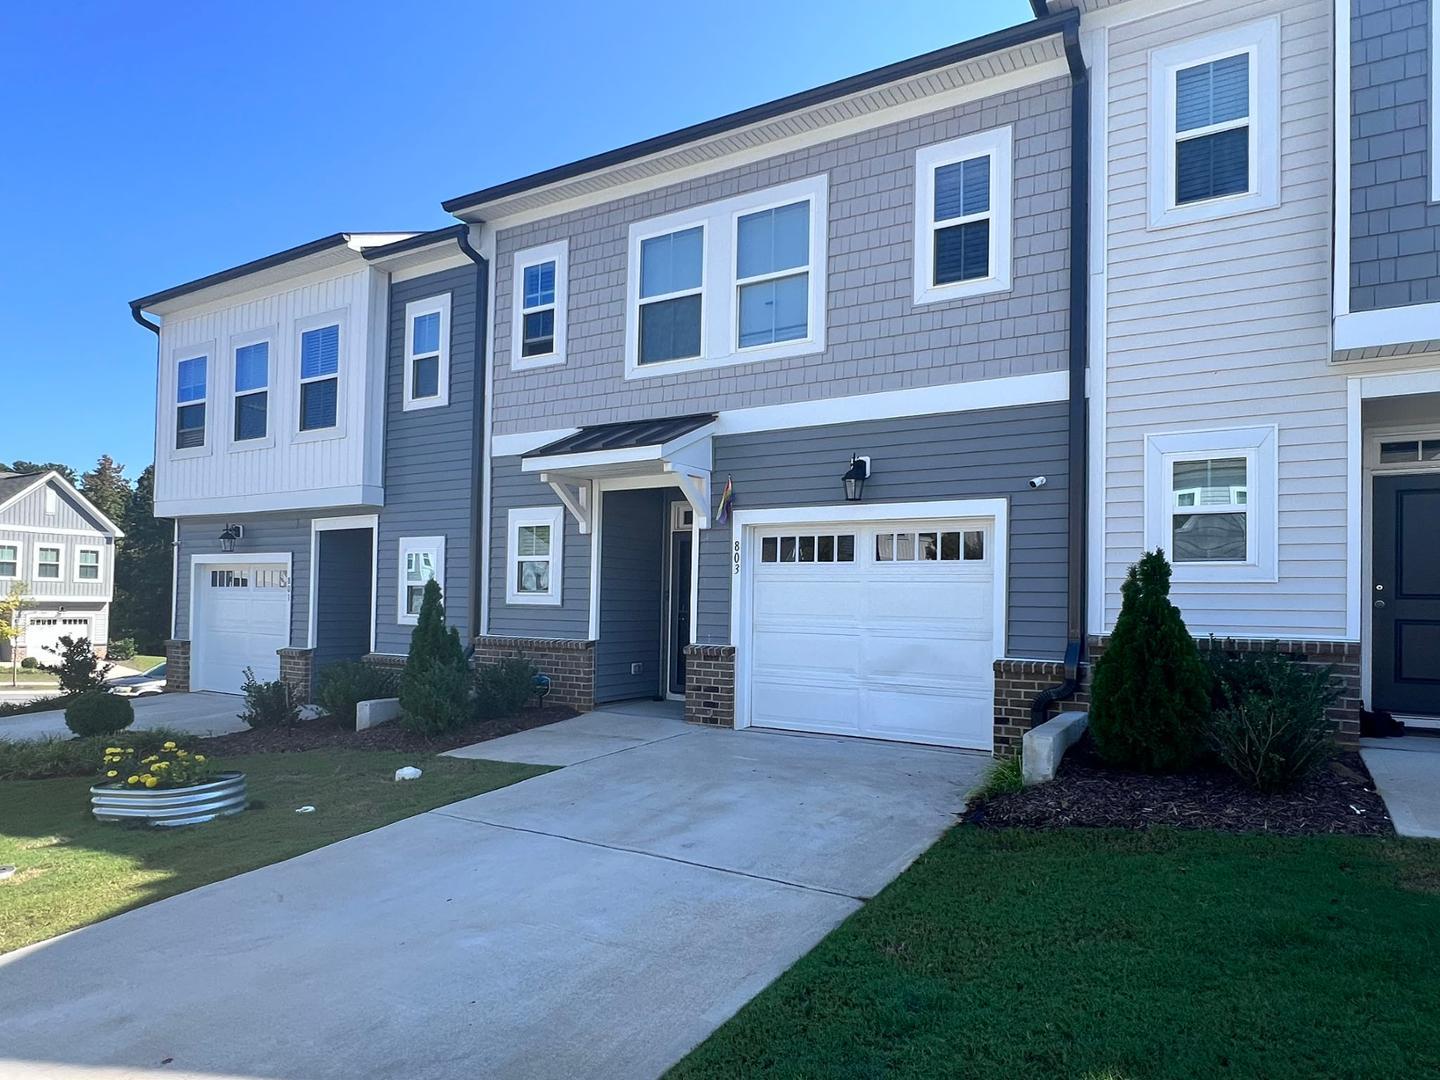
[[435, 686], [1150, 696]]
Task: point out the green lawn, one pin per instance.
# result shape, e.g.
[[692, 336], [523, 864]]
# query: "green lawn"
[[1116, 955], [28, 678], [72, 870], [140, 663]]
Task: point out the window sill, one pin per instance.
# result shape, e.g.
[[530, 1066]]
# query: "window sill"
[[1226, 206], [318, 435], [247, 446], [757, 355], [422, 404], [960, 290], [180, 454], [550, 360], [533, 601], [1222, 574]]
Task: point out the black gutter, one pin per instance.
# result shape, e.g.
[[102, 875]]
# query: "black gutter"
[[1041, 8], [138, 315], [479, 564], [1079, 361], [420, 240], [1007, 38]]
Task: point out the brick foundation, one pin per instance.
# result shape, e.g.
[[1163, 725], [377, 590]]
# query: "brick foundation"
[[710, 685], [389, 661], [177, 667], [570, 664], [1016, 684], [1344, 656], [297, 671]]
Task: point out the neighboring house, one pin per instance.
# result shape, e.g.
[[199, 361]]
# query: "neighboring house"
[[878, 269], [56, 542], [1226, 425], [316, 440]]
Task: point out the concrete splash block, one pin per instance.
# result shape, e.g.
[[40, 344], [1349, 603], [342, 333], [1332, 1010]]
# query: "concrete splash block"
[[1044, 746], [370, 714]]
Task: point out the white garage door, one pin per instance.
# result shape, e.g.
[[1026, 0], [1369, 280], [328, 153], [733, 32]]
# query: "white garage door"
[[241, 617], [885, 631], [43, 634]]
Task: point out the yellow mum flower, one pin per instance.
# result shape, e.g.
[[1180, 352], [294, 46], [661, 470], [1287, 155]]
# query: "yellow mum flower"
[[199, 757], [151, 781], [133, 780], [169, 746]]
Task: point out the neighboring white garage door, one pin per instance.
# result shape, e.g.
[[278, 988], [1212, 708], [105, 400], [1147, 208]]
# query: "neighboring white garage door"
[[241, 616], [43, 633], [880, 630]]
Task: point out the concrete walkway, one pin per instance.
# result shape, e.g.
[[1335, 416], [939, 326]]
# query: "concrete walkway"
[[599, 920], [191, 714], [1407, 776]]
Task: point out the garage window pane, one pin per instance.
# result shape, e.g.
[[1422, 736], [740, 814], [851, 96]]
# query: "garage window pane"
[[885, 547], [929, 547], [787, 549], [950, 547], [807, 549], [974, 545], [845, 548], [905, 547], [770, 549], [825, 549]]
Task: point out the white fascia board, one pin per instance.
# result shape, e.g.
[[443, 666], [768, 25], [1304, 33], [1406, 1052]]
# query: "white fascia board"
[[357, 495], [1387, 326], [591, 459]]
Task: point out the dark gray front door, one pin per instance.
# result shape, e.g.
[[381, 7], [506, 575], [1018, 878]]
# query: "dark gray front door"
[[679, 608], [1405, 596]]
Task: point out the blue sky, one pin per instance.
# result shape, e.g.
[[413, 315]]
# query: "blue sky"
[[151, 143]]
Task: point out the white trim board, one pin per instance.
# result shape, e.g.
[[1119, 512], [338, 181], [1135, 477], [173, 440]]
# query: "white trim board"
[[1038, 389], [333, 524], [328, 498], [1340, 137], [1387, 326]]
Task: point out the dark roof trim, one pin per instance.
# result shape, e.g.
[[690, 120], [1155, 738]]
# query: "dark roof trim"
[[1007, 38], [314, 247], [625, 435], [421, 240], [1041, 8]]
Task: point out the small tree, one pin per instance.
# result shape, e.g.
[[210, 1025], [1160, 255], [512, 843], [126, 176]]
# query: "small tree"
[[11, 605], [79, 670], [1150, 696], [435, 686]]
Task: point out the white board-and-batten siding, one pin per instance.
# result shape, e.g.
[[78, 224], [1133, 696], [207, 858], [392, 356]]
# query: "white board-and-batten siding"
[[288, 468], [1225, 324]]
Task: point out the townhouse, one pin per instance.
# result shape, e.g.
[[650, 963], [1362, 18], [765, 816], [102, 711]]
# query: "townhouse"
[[847, 412]]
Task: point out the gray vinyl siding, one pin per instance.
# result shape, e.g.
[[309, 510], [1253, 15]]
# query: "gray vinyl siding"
[[514, 490], [1394, 227], [67, 586], [30, 511], [877, 339], [631, 564], [973, 455], [431, 455], [265, 534], [342, 596]]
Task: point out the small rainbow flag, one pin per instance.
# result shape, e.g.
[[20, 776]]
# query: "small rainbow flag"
[[727, 499]]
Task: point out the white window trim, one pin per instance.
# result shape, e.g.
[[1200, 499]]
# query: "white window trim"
[[178, 353], [554, 516], [1257, 446], [1261, 40], [59, 562], [298, 330], [269, 335], [998, 143], [559, 254], [719, 287], [431, 305], [52, 501], [409, 545], [19, 559], [99, 564]]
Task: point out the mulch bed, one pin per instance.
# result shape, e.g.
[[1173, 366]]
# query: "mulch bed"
[[1339, 798], [322, 734]]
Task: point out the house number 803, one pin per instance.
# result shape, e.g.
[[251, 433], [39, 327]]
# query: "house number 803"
[[737, 556]]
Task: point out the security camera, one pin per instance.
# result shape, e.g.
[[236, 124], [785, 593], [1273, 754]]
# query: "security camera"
[[1037, 481]]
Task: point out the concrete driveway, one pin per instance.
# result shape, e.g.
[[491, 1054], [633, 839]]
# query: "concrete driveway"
[[596, 921], [193, 714]]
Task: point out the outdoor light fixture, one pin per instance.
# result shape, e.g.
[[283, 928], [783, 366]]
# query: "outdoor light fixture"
[[231, 534], [855, 478]]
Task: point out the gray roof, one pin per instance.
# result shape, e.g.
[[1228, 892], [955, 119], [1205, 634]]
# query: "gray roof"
[[624, 436], [12, 483]]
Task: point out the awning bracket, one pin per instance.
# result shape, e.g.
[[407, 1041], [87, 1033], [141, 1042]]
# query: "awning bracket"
[[695, 484], [575, 495]]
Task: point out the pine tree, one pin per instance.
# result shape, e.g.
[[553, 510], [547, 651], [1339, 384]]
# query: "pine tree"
[[430, 641], [435, 686], [141, 608], [1150, 695], [106, 487]]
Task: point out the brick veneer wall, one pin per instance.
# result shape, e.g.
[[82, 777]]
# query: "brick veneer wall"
[[297, 671], [710, 685], [177, 667], [1016, 684], [1343, 655], [569, 663]]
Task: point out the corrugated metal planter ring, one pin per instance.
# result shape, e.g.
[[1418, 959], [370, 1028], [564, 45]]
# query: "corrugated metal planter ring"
[[172, 806]]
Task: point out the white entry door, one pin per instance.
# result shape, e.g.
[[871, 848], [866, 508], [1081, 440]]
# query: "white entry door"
[[241, 618], [879, 630]]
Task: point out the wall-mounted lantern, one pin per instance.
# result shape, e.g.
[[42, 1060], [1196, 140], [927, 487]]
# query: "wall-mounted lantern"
[[855, 478], [229, 537]]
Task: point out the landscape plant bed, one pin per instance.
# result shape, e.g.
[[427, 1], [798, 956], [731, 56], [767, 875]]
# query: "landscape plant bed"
[[322, 734], [1338, 798]]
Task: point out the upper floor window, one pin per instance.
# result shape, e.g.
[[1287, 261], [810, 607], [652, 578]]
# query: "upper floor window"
[[1213, 119], [47, 562], [729, 282], [252, 391], [9, 560], [87, 564], [427, 353], [672, 271], [539, 291], [190, 403], [963, 212], [319, 377]]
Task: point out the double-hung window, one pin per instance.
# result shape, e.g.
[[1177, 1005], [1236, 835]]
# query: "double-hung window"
[[190, 403], [963, 211], [252, 391], [9, 561], [422, 560], [1213, 120], [533, 555], [47, 562], [87, 564], [427, 353], [1209, 511], [772, 261], [672, 274], [539, 296], [319, 377]]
